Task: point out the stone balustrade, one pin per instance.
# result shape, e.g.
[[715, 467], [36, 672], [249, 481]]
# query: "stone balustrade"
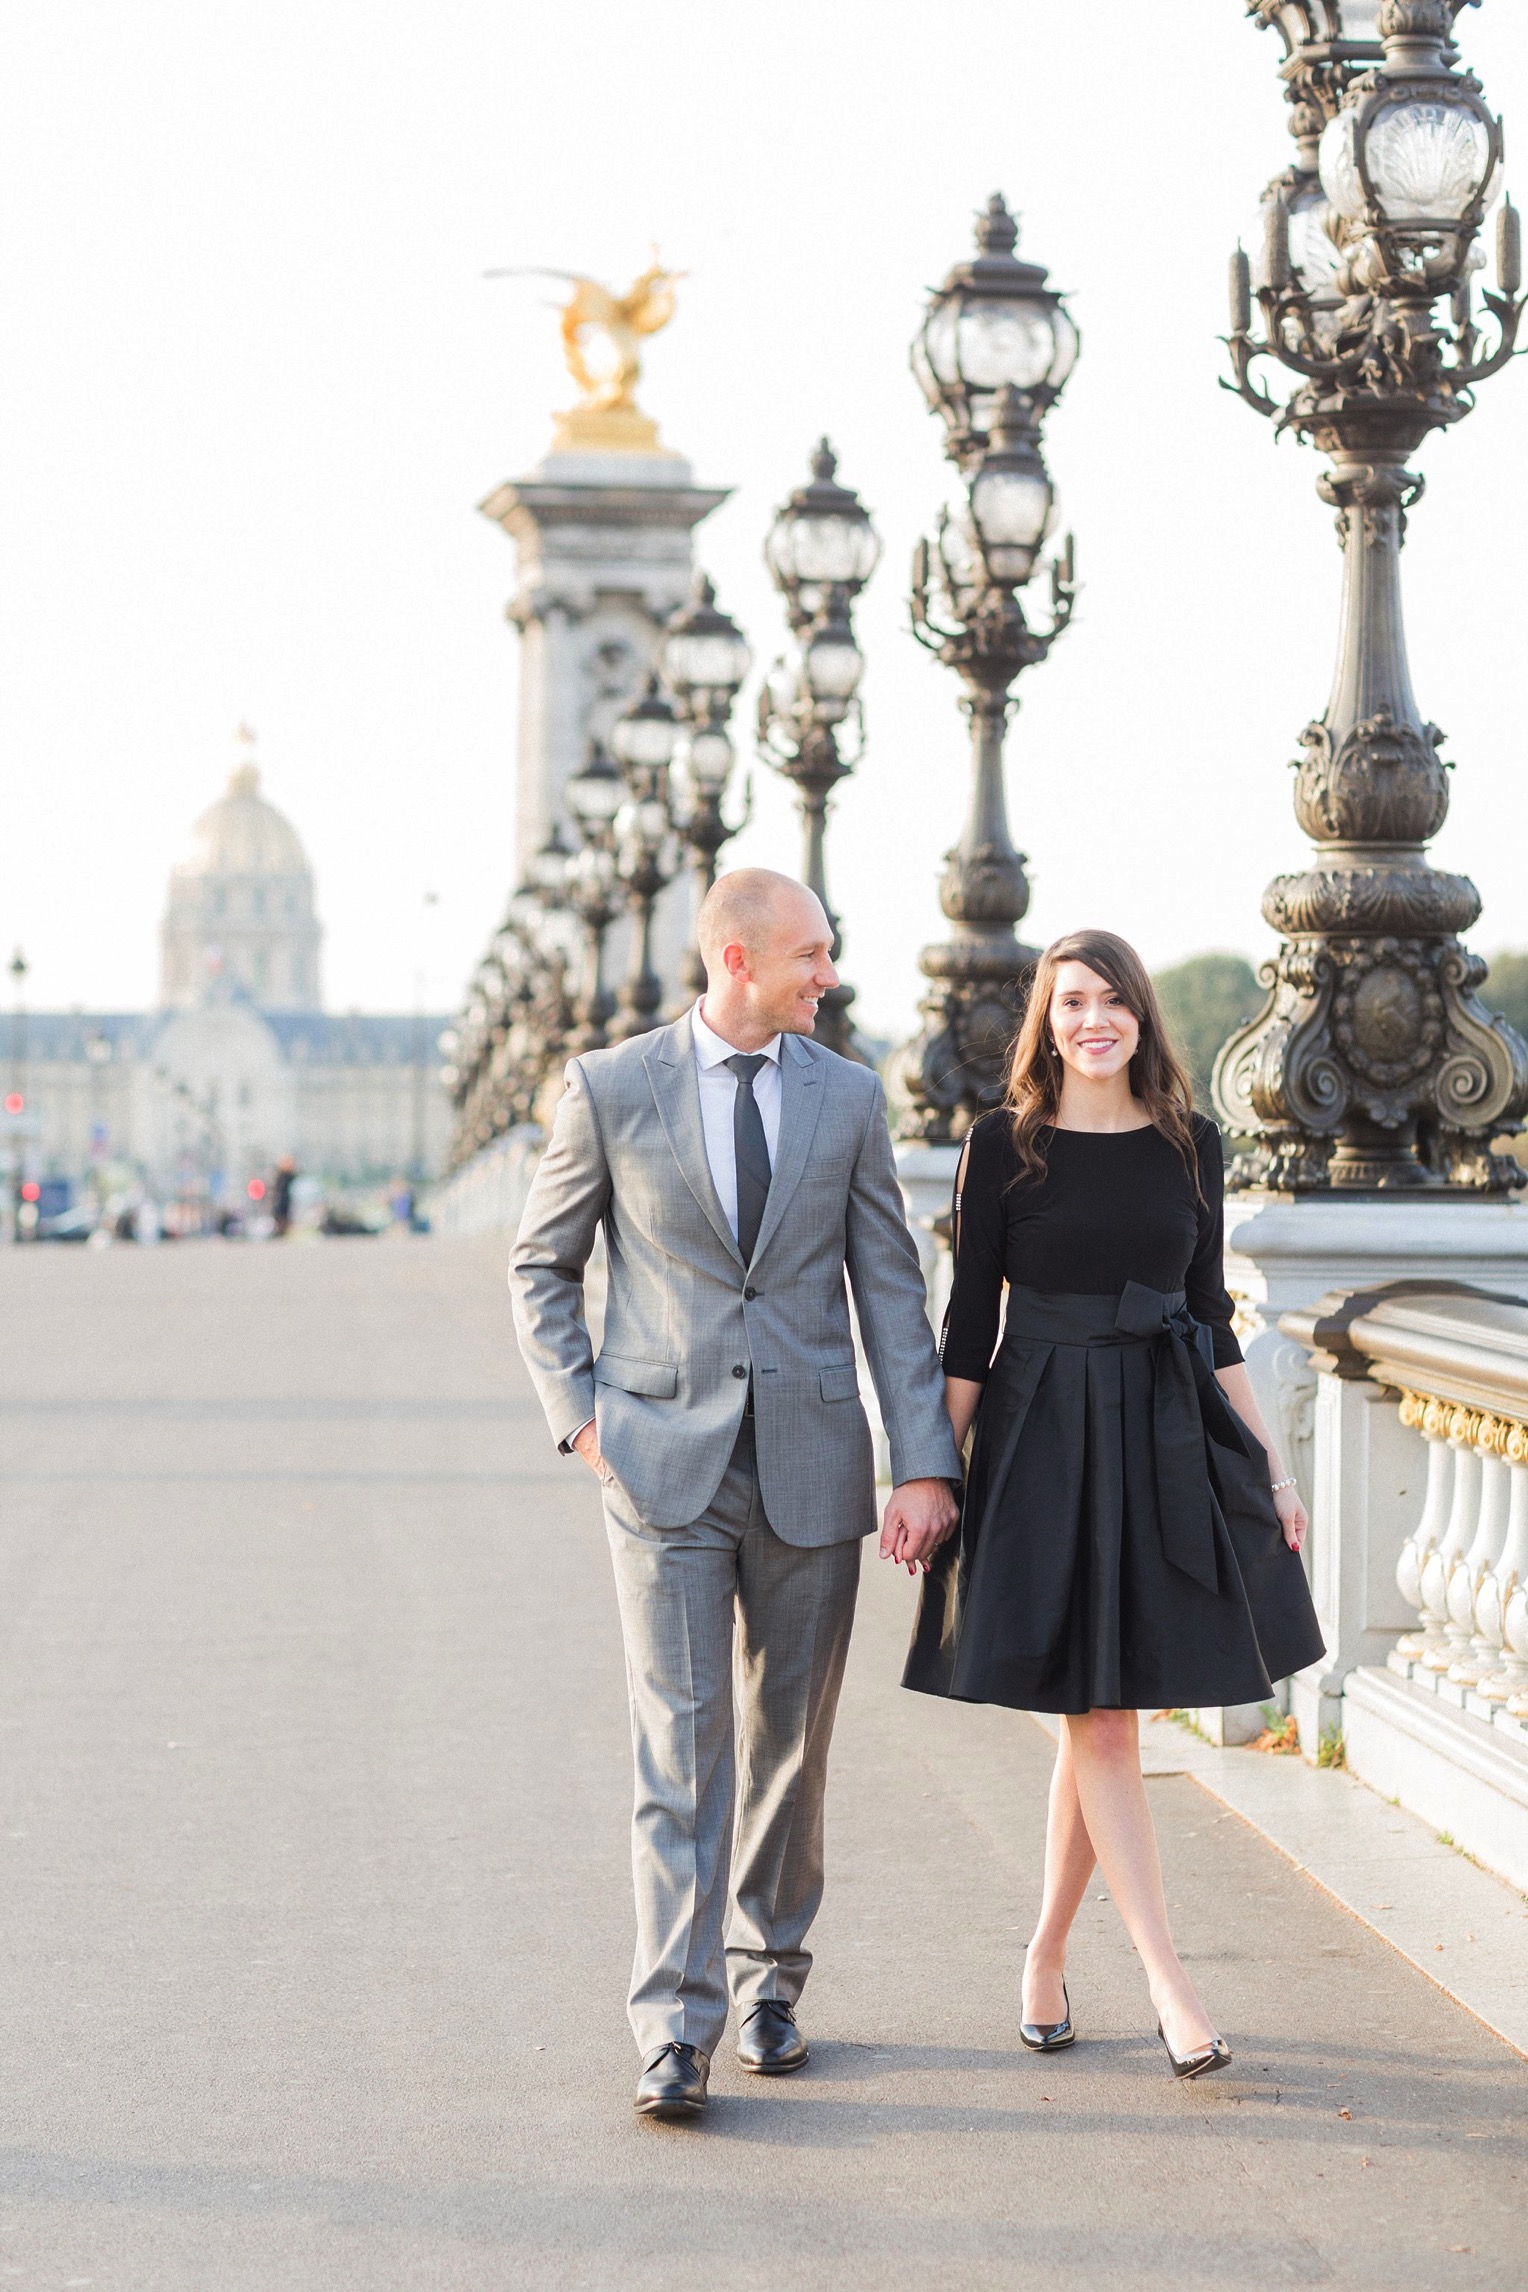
[[1419, 1553]]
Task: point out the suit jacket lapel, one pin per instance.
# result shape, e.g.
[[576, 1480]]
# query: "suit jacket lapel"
[[670, 1067], [800, 1105]]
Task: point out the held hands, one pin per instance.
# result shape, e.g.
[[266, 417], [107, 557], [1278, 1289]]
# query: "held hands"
[[1293, 1518], [919, 1516]]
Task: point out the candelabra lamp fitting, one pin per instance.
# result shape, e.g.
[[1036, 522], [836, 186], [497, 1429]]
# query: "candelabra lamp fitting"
[[1374, 1066], [591, 891], [647, 853], [704, 660], [992, 357], [821, 550]]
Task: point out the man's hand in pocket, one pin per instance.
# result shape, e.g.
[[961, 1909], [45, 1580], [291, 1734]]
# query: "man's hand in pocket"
[[587, 1442]]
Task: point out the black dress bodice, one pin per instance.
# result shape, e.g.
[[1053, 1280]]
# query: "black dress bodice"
[[1112, 1207]]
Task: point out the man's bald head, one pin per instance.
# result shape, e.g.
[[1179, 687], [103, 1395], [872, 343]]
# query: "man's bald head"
[[768, 951], [749, 908]]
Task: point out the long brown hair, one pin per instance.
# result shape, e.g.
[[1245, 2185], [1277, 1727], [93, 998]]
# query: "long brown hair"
[[1157, 1076]]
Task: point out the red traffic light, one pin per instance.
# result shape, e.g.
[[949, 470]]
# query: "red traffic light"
[[14, 1102], [31, 1191], [256, 1189]]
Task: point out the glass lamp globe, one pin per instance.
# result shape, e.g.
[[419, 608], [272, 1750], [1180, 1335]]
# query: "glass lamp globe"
[[705, 652], [960, 559], [653, 820], [1428, 162], [1012, 500], [834, 665], [594, 796], [1302, 21], [644, 738], [994, 324], [548, 872], [708, 756], [822, 538], [1012, 511], [1310, 227]]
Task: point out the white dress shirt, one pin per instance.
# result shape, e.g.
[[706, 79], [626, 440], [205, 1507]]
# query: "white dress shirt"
[[718, 1095]]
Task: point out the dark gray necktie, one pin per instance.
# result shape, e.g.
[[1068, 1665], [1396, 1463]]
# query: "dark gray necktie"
[[748, 1144]]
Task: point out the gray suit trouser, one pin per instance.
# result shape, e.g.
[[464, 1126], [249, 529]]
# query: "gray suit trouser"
[[726, 1787]]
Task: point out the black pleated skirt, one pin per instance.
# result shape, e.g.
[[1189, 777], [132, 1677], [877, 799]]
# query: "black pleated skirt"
[[1118, 1546]]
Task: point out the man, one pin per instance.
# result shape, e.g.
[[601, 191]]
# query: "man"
[[739, 1171]]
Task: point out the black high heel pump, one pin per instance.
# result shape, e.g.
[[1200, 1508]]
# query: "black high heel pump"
[[1201, 2062], [1049, 2036]]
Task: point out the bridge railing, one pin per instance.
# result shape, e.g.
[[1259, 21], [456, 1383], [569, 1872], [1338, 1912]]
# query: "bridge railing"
[[1419, 1553]]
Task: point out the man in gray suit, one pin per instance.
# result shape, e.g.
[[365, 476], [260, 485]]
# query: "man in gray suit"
[[739, 1171]]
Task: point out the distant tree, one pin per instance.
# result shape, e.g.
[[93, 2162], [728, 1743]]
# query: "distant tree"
[[1204, 1001], [1506, 990]]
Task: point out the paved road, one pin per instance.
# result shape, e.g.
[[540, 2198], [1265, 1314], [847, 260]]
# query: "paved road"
[[313, 1788]]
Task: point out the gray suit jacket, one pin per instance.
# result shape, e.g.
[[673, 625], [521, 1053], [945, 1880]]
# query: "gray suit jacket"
[[687, 1322]]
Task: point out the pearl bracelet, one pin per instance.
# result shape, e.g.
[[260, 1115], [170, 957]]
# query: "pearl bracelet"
[[1276, 1485]]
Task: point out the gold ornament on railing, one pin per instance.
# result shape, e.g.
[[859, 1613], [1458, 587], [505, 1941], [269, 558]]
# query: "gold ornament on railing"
[[1482, 1429]]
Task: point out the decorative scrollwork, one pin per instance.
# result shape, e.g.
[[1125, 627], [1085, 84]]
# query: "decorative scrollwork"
[[1382, 783], [1381, 899], [955, 1068]]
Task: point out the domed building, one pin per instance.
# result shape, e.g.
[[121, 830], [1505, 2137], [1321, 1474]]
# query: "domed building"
[[240, 1065], [241, 907]]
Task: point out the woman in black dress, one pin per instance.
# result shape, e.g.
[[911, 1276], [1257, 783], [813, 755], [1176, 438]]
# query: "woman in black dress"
[[1130, 1538]]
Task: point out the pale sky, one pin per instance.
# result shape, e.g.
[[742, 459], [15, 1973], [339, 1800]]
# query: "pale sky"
[[253, 384]]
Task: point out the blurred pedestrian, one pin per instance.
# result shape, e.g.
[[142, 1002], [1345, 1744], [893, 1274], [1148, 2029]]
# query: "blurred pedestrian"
[[281, 1194]]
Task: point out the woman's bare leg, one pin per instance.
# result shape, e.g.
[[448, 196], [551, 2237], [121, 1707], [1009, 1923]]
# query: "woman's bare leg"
[[1106, 1763], [1068, 1867]]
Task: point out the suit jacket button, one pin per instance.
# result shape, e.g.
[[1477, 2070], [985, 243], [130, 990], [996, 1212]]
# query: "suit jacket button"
[[738, 1369], [750, 1294]]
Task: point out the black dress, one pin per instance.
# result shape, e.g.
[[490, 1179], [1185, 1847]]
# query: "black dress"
[[1118, 1546]]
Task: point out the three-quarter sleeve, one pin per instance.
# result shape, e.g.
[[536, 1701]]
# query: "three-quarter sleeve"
[[1209, 1300], [979, 1230]]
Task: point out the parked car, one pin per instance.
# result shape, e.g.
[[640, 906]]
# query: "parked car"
[[76, 1225]]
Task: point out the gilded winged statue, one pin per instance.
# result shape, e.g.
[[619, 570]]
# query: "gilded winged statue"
[[645, 308]]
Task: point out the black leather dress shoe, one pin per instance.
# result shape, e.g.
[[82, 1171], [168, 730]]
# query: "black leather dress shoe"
[[674, 2085], [769, 2043]]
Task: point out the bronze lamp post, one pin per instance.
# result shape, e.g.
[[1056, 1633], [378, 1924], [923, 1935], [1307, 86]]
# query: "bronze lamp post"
[[1373, 1066], [822, 549], [993, 356]]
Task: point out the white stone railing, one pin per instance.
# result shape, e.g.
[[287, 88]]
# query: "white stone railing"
[[1419, 1551], [487, 1194]]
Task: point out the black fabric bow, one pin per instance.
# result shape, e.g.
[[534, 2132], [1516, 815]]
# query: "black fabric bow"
[[1184, 1368]]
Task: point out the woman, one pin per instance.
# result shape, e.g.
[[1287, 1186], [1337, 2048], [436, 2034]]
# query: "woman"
[[1130, 1536]]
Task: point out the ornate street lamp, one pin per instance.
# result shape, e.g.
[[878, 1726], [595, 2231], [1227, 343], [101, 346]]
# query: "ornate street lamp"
[[993, 356], [1374, 1065], [821, 550], [589, 887], [993, 325], [703, 659], [647, 856], [517, 1024]]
